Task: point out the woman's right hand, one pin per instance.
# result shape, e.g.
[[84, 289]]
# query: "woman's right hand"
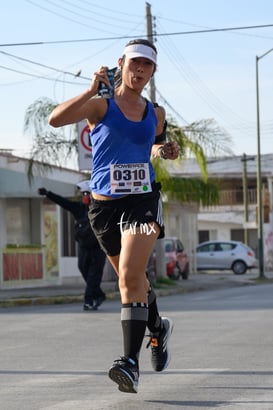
[[82, 106], [99, 76]]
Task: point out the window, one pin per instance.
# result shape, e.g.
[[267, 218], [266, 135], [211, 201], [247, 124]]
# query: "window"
[[169, 245], [18, 219], [209, 247], [237, 235], [228, 246], [179, 246], [203, 236]]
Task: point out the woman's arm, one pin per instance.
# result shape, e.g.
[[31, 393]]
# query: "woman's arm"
[[83, 106], [161, 148]]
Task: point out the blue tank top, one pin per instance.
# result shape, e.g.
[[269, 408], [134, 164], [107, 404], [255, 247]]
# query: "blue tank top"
[[117, 140]]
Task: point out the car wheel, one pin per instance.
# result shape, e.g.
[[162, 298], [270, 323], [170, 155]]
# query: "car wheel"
[[239, 267]]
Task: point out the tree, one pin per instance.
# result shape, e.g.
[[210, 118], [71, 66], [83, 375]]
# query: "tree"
[[196, 140], [50, 146]]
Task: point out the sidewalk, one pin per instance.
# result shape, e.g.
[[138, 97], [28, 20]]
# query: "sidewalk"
[[55, 294], [74, 293]]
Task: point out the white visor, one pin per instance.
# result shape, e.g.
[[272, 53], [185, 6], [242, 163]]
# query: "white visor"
[[140, 50], [83, 186]]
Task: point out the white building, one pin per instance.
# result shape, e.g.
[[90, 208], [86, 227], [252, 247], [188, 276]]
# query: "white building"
[[235, 217]]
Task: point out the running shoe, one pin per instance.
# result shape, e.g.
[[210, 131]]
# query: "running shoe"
[[88, 306], [159, 345], [99, 301], [125, 373]]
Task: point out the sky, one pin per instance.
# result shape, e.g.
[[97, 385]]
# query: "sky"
[[203, 72]]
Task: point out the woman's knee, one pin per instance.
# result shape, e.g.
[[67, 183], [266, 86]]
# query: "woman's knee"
[[130, 280]]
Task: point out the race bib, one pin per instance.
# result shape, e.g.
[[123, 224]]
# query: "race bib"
[[130, 179]]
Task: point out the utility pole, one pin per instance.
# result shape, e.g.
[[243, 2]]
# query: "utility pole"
[[259, 175], [244, 160], [159, 246], [245, 198], [150, 37]]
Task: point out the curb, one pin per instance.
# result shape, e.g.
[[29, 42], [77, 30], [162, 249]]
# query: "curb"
[[63, 299], [43, 300], [166, 290]]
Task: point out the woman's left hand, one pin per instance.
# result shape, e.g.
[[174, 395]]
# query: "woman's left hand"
[[170, 150]]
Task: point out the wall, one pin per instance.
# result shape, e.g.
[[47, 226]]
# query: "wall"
[[181, 221], [3, 223], [218, 230]]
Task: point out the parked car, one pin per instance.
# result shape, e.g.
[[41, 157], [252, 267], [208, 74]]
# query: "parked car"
[[221, 255], [177, 262]]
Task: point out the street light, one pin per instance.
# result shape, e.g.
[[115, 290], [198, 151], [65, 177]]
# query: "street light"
[[259, 176]]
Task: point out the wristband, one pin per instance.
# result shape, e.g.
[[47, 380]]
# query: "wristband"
[[160, 150], [162, 153]]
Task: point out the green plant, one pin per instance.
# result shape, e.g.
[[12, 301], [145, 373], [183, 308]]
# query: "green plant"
[[24, 245], [162, 282]]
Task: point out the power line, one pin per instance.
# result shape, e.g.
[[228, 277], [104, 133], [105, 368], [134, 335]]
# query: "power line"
[[214, 30], [42, 65], [92, 13], [193, 80], [188, 77], [118, 13], [75, 14], [114, 11], [171, 107], [40, 76], [208, 27], [88, 78]]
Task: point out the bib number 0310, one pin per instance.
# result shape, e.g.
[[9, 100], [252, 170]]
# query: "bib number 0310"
[[130, 178], [129, 175]]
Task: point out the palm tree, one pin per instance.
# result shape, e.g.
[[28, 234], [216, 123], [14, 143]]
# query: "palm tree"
[[50, 146], [197, 140]]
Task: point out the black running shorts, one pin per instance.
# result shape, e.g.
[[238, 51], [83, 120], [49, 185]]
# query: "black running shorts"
[[109, 218]]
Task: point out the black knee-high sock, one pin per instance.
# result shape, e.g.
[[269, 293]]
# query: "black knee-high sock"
[[134, 318], [154, 320]]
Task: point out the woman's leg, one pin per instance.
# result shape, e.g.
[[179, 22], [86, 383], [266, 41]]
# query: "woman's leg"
[[135, 291], [136, 248], [154, 321], [114, 260], [133, 284]]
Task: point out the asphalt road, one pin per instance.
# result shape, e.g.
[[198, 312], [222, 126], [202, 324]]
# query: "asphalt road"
[[56, 357]]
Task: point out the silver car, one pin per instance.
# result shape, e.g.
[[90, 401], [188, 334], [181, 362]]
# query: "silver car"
[[221, 255]]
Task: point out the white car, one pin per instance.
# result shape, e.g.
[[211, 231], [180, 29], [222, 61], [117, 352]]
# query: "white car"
[[221, 255]]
